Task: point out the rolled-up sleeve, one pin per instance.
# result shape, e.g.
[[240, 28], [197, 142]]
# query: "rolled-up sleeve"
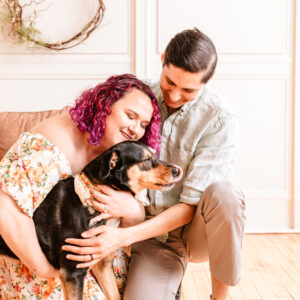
[[213, 159]]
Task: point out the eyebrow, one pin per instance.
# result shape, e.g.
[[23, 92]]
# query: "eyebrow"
[[186, 89], [137, 115]]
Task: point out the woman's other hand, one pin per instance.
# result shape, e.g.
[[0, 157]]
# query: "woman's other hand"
[[117, 204]]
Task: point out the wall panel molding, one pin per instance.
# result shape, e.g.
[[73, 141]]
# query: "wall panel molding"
[[297, 120], [64, 70]]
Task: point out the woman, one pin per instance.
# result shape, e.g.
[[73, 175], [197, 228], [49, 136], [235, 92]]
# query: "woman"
[[122, 108]]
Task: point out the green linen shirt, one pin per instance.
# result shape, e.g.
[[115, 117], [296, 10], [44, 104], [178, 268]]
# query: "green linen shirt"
[[200, 137]]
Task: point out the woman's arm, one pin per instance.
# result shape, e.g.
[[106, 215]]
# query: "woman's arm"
[[104, 240], [18, 231]]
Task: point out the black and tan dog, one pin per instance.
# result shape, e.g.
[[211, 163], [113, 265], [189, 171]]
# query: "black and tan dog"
[[129, 166]]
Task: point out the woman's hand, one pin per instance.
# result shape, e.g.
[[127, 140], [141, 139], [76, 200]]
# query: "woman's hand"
[[98, 243], [117, 204]]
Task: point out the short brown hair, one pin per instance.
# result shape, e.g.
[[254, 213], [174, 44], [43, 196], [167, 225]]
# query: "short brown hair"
[[192, 51]]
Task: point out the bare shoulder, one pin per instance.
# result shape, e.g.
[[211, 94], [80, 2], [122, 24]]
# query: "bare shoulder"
[[60, 131], [63, 133], [55, 128]]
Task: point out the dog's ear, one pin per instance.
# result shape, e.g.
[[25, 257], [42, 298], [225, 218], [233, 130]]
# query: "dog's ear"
[[113, 160], [109, 161], [100, 168]]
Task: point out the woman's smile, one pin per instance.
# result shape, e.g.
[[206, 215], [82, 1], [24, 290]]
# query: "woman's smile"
[[127, 136]]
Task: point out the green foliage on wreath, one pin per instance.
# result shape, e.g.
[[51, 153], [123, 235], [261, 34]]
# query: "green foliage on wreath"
[[12, 25]]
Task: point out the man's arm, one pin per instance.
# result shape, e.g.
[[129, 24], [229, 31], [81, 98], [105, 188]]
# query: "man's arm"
[[170, 219], [103, 240], [18, 231]]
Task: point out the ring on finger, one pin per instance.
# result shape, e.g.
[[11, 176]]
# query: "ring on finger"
[[105, 208]]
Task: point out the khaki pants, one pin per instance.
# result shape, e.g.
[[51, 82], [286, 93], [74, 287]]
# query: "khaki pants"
[[215, 235]]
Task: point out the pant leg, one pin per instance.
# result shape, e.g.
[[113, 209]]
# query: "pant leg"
[[216, 231], [155, 272]]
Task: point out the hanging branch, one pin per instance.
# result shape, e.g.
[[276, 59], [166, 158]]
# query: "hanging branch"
[[13, 25]]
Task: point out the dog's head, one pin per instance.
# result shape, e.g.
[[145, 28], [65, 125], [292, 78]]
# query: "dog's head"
[[132, 166]]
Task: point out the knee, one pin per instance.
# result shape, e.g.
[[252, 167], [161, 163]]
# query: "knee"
[[225, 198]]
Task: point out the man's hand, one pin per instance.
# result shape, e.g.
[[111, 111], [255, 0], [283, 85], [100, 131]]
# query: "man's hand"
[[98, 243]]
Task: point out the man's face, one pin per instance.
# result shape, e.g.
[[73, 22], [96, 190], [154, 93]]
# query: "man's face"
[[179, 86]]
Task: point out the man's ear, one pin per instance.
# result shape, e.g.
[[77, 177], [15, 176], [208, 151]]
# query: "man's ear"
[[162, 58]]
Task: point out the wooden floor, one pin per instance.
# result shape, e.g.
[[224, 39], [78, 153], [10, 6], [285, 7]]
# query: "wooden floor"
[[271, 270]]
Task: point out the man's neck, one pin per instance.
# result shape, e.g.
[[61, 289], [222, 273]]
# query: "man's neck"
[[171, 110]]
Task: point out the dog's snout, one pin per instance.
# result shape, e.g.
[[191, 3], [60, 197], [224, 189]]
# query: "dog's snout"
[[175, 171]]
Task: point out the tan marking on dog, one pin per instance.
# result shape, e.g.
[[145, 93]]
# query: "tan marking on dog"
[[114, 159], [150, 179], [70, 291], [105, 276]]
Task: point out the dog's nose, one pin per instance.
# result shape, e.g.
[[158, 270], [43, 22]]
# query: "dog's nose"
[[175, 171]]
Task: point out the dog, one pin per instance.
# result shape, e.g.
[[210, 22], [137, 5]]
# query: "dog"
[[128, 166]]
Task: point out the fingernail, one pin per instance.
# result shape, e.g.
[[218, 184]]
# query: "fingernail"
[[84, 234], [68, 256]]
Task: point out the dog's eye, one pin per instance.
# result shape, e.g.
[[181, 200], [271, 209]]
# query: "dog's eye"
[[147, 161]]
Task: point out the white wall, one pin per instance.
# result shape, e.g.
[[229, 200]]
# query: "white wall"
[[255, 43]]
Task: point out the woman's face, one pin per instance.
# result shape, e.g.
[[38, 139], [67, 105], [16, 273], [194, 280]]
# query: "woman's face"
[[129, 117]]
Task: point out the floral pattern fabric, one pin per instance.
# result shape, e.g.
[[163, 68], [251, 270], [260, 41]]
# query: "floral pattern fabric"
[[28, 172]]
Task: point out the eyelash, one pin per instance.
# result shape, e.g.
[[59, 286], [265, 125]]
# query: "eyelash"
[[131, 117], [172, 83]]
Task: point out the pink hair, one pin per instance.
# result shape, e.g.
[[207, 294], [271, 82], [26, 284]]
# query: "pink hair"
[[94, 105]]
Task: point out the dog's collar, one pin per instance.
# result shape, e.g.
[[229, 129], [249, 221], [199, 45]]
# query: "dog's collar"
[[82, 186]]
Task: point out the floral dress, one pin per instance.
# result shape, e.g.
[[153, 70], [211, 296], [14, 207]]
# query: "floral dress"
[[28, 172]]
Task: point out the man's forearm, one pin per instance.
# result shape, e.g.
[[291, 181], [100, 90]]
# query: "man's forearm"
[[136, 217], [170, 219]]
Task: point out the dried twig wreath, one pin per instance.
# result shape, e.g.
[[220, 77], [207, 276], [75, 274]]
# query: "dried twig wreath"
[[13, 24]]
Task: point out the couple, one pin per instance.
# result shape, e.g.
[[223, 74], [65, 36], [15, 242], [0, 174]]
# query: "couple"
[[203, 214]]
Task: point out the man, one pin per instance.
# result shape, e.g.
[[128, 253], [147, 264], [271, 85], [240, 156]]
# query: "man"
[[199, 134], [203, 213]]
